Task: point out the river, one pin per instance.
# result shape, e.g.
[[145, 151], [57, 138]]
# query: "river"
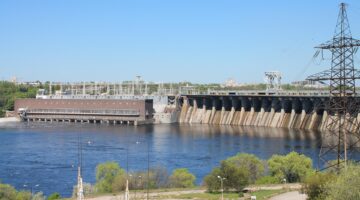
[[44, 156]]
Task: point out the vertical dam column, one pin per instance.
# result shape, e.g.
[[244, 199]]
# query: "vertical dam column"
[[184, 110], [266, 111]]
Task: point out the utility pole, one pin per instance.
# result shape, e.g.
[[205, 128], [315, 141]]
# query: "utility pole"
[[342, 107]]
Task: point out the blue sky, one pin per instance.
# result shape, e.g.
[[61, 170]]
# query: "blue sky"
[[171, 40]]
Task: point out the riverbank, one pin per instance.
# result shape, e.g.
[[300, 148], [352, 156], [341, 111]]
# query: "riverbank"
[[6, 120]]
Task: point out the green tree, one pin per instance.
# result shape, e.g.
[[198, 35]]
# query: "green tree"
[[106, 174], [293, 167], [346, 186], [315, 185], [182, 178], [236, 178], [54, 196], [212, 181], [249, 162]]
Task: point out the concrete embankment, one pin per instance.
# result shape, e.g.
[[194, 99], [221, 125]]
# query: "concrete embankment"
[[9, 120], [276, 118]]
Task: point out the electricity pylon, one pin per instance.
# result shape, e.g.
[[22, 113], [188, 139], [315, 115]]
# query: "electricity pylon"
[[342, 126]]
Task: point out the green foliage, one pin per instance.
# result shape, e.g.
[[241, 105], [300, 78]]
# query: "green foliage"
[[10, 92], [23, 195], [236, 178], [54, 196], [182, 178], [267, 180], [119, 182], [346, 185], [252, 164], [293, 167], [314, 185], [7, 192], [106, 173], [212, 181]]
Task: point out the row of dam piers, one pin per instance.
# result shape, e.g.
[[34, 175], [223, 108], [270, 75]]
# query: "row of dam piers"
[[262, 111]]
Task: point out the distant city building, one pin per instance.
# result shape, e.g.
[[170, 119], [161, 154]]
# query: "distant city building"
[[309, 84], [230, 83]]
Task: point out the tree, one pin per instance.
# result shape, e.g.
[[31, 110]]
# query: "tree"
[[249, 162], [346, 186], [315, 185], [235, 177], [212, 181], [54, 196], [105, 176], [293, 167], [182, 178]]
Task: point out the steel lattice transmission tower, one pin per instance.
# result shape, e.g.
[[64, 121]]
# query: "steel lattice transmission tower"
[[342, 127]]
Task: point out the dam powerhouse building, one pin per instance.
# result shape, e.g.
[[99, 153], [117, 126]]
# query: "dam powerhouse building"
[[114, 111]]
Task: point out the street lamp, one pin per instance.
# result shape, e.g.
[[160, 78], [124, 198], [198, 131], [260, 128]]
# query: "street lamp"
[[222, 186], [148, 168]]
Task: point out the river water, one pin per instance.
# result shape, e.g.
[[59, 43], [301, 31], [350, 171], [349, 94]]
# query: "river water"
[[46, 154]]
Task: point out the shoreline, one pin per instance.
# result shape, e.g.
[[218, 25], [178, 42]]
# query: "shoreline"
[[5, 120]]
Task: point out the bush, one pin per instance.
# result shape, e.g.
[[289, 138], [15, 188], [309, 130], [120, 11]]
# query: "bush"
[[54, 196], [159, 177], [346, 186], [106, 173], [182, 178], [235, 177], [293, 167], [23, 195], [7, 192], [315, 185], [267, 180], [252, 164]]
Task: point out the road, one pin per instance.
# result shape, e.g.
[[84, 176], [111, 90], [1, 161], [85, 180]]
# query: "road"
[[294, 195]]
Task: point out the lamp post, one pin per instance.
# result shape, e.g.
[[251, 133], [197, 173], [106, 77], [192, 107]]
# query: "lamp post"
[[148, 169], [222, 186]]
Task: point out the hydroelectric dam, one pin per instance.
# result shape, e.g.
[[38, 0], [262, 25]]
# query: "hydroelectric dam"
[[287, 109]]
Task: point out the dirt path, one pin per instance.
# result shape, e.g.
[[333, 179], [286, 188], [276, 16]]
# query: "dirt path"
[[142, 195], [295, 195]]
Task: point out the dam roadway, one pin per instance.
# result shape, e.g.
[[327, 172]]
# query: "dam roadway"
[[289, 109]]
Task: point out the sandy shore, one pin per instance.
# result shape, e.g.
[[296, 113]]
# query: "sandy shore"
[[9, 120]]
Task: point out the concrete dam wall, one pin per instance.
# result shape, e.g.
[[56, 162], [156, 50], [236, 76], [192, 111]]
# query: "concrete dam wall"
[[262, 111]]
